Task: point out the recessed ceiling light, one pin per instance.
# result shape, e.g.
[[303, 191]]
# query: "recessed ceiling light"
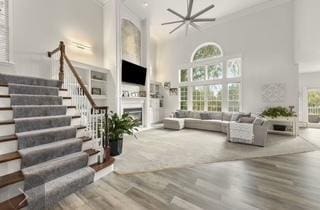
[[145, 4]]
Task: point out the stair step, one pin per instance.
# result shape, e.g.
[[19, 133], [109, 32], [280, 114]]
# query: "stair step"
[[18, 177], [47, 171], [5, 101], [32, 90], [6, 79], [42, 153], [14, 137], [47, 196], [20, 125], [15, 203]]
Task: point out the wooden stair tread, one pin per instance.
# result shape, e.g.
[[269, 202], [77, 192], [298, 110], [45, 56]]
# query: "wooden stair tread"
[[8, 138], [10, 108], [10, 122], [11, 179], [9, 157], [5, 85], [8, 96], [15, 203], [98, 167], [15, 155]]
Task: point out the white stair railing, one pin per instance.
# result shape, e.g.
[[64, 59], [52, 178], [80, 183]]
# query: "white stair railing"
[[92, 116]]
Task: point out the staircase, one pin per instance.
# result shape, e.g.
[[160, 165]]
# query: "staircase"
[[46, 150]]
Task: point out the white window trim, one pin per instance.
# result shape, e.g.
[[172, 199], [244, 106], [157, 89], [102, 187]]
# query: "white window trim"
[[224, 81], [11, 38]]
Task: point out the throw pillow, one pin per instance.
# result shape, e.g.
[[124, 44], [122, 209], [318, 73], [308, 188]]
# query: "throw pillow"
[[226, 116], [237, 116], [249, 120]]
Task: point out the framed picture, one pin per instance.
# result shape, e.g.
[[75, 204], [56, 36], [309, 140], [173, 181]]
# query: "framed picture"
[[173, 91], [167, 85], [96, 91]]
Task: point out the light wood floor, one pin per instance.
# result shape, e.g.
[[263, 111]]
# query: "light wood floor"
[[282, 182]]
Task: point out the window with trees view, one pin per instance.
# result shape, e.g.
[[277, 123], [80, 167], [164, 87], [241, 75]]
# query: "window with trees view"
[[184, 75], [234, 97], [214, 95], [215, 85], [198, 98], [199, 73], [207, 51], [183, 98]]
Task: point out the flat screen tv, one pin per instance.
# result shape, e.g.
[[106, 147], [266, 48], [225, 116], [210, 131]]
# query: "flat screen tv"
[[132, 73]]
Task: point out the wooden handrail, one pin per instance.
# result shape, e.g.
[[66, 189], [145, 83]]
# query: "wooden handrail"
[[64, 57]]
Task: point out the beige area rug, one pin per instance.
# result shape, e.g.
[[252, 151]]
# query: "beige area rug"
[[159, 149]]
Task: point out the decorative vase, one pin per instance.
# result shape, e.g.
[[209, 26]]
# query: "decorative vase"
[[116, 147]]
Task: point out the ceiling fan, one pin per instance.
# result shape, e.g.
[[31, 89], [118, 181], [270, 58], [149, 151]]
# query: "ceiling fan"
[[189, 19]]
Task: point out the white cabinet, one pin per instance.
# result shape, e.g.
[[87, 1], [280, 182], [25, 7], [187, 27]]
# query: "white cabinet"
[[156, 112]]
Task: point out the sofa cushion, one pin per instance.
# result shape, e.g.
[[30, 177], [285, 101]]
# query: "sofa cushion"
[[195, 115], [249, 120], [216, 115], [182, 114], [226, 116], [225, 126], [210, 125], [205, 116]]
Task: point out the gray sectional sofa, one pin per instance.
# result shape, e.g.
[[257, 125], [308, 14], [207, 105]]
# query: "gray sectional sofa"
[[217, 122]]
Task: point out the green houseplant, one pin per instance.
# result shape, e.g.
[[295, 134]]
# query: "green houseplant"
[[119, 125], [278, 111]]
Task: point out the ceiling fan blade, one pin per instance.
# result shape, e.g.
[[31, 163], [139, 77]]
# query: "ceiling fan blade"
[[179, 26], [202, 11], [173, 22], [175, 13], [190, 5], [204, 20], [195, 26]]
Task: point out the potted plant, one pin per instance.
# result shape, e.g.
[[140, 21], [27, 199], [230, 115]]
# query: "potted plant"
[[118, 126], [274, 112]]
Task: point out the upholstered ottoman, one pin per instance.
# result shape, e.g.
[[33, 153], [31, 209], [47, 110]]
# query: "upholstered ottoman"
[[173, 123]]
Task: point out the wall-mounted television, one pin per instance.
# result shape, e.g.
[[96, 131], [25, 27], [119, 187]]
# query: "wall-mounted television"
[[132, 73]]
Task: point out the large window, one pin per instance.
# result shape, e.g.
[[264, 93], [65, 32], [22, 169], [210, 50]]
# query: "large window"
[[214, 97], [183, 98], [198, 98], [4, 31], [234, 97], [214, 82]]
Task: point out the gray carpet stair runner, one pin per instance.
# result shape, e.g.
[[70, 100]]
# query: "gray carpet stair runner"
[[51, 158]]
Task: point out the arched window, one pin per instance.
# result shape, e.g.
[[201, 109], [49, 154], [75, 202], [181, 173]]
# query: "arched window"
[[207, 51]]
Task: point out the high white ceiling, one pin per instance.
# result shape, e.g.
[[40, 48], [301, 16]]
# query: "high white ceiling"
[[157, 13]]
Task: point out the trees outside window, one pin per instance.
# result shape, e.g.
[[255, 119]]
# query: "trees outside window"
[[183, 98]]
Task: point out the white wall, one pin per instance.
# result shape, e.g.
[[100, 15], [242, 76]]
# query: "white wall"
[[307, 34], [306, 81], [39, 25], [263, 39]]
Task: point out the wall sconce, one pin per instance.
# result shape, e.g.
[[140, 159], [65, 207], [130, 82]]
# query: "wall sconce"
[[80, 46]]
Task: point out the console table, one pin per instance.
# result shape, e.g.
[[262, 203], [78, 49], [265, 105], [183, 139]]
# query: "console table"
[[290, 123]]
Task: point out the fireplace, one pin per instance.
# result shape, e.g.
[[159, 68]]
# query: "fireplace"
[[135, 113]]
